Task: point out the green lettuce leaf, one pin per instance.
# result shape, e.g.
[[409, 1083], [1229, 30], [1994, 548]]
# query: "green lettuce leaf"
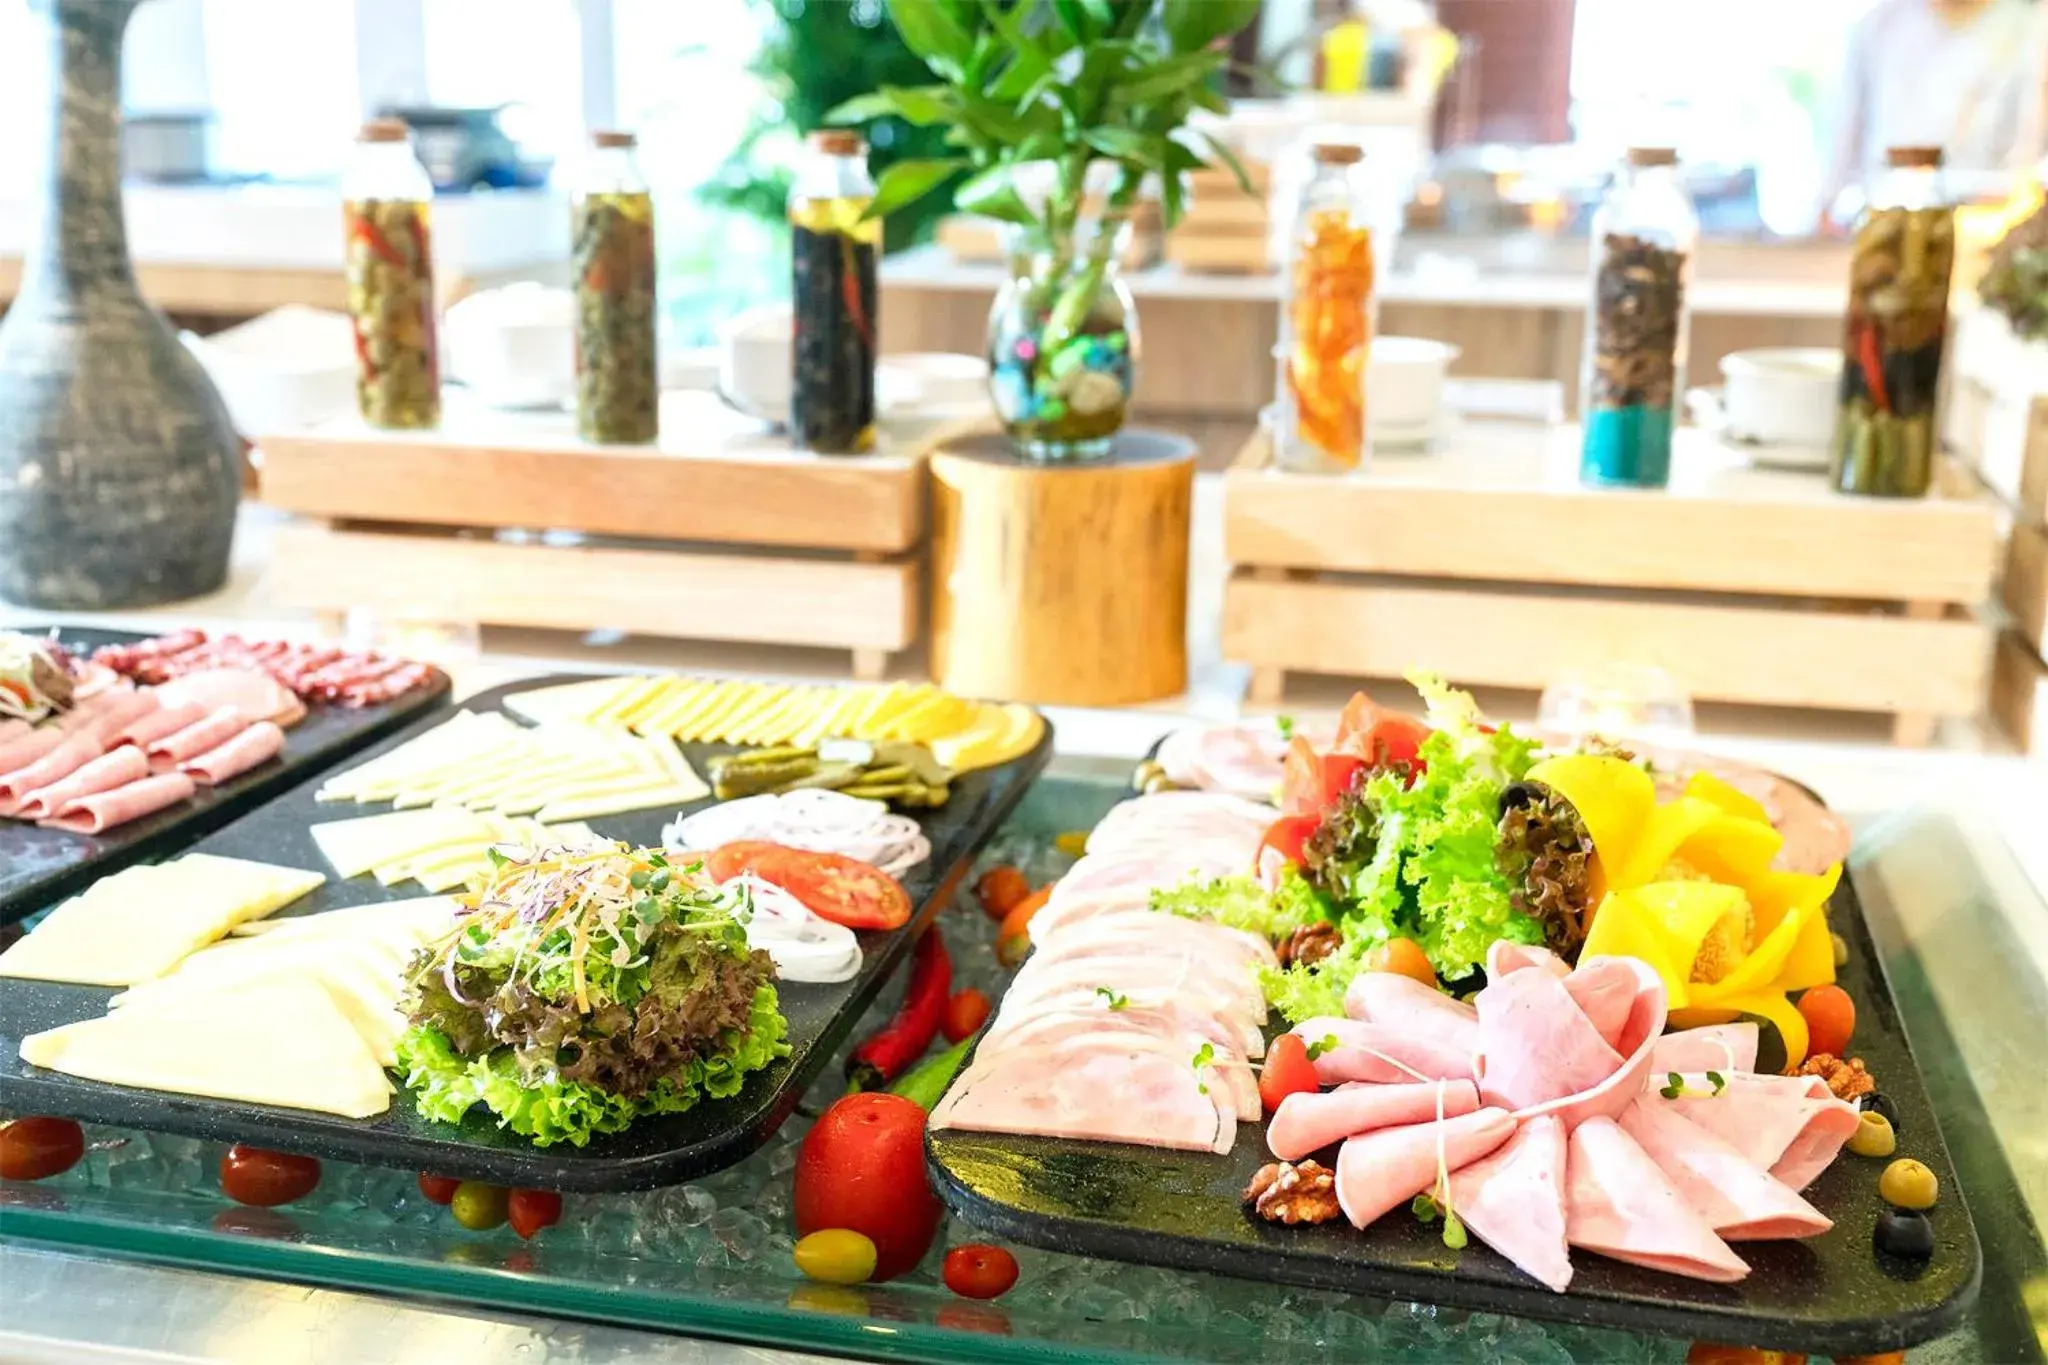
[[1241, 903]]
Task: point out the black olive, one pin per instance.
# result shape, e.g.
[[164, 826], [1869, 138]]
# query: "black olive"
[[1518, 794], [1876, 1103], [1904, 1233]]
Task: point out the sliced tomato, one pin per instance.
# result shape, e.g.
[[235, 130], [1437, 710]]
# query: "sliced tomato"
[[844, 890], [1310, 783], [1286, 836]]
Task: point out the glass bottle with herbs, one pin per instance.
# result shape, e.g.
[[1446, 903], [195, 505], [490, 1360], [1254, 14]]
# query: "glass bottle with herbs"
[[387, 202], [1644, 235], [1327, 326], [1892, 338], [618, 388], [833, 250]]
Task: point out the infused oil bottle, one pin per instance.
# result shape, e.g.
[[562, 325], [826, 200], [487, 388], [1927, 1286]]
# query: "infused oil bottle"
[[617, 385], [833, 251], [1328, 322], [387, 201]]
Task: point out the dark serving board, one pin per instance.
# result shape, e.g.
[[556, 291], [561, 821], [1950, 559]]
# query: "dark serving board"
[[1831, 1295], [654, 1151], [38, 866]]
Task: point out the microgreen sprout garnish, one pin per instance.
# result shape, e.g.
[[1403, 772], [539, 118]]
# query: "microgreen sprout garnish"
[[638, 881], [498, 859], [1285, 725], [1718, 1081], [1676, 1088], [1116, 999], [1204, 1056], [1326, 1043], [1424, 1208], [1427, 1210]]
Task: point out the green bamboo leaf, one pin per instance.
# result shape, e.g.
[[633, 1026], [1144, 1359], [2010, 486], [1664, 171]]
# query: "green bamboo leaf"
[[861, 108], [1172, 197], [929, 29], [993, 194], [1125, 144], [1168, 76], [1229, 158], [1030, 62], [1193, 24], [1074, 18], [905, 182]]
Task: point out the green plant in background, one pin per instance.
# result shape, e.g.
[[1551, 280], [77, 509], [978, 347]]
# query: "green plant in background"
[[2016, 279], [817, 54]]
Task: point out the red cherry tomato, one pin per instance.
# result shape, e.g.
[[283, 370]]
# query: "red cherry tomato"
[[1403, 957], [439, 1189], [965, 1013], [1013, 936], [264, 1179], [1286, 836], [862, 1167], [1716, 1353], [844, 890], [38, 1148], [980, 1272], [1287, 1071], [1830, 1019], [528, 1211]]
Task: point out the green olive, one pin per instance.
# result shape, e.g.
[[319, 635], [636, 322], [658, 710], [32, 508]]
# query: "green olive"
[[1908, 1184], [1841, 949], [1873, 1136], [477, 1206], [1158, 782]]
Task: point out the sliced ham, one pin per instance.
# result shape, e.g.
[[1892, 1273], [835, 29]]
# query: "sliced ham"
[[1103, 1095], [1736, 1197], [1638, 1038], [1513, 1201], [1052, 920], [109, 770], [24, 749], [1154, 931], [1244, 760], [1791, 1126], [252, 693], [1382, 1170], [1159, 1030], [221, 724], [1403, 1003], [1605, 991], [67, 757], [256, 745], [1306, 1123], [151, 726], [1725, 1048], [1539, 1045], [1204, 979], [1374, 1052], [1133, 875], [118, 710], [102, 811], [12, 727], [1226, 1027], [1617, 1203], [1508, 956]]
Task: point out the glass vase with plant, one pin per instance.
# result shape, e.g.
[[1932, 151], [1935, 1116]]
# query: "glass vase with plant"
[[1034, 94]]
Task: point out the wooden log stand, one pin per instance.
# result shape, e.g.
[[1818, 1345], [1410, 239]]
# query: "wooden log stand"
[[1063, 584], [1490, 564], [509, 519]]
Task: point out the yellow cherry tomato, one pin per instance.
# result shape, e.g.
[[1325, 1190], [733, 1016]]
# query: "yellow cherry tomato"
[[836, 1256]]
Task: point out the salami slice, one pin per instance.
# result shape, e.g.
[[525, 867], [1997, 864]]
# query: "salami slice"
[[109, 770], [152, 726], [258, 744], [71, 753], [102, 811], [219, 726]]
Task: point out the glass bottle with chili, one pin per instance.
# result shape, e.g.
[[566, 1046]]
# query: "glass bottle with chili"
[[833, 250], [387, 202], [1328, 322], [617, 386], [1644, 236], [1892, 337]]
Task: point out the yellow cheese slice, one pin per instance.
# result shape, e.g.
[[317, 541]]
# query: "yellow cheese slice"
[[283, 1042], [567, 701], [670, 760], [353, 847], [684, 695], [582, 805], [416, 920]]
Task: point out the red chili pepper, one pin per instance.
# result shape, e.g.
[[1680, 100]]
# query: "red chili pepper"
[[849, 287], [1873, 366], [901, 1041], [366, 232]]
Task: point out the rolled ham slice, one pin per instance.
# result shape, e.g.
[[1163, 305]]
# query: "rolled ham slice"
[[1513, 1201], [1737, 1198], [102, 811], [1617, 1203], [220, 725], [1638, 1037], [109, 770], [1160, 1030], [67, 757], [1306, 1123], [1099, 1093], [1374, 1052], [1539, 1045], [1379, 1171], [1403, 1003], [1725, 1048], [256, 745], [12, 727], [1791, 1126], [151, 726], [17, 753], [1605, 991], [117, 710]]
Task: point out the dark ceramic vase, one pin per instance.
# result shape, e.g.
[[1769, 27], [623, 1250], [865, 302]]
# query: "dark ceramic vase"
[[119, 468]]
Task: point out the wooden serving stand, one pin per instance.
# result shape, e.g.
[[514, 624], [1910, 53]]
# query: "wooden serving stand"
[[1490, 564], [1061, 583], [718, 532]]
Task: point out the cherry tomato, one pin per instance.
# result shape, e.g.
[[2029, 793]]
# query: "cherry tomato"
[[836, 1256], [438, 1189], [965, 1013], [1715, 1353], [1830, 1019], [38, 1148], [980, 1272], [1310, 783], [999, 889], [264, 1179], [1286, 836], [1403, 957], [478, 1206], [528, 1211], [861, 1167], [1886, 1358], [1287, 1071], [1013, 939], [844, 890]]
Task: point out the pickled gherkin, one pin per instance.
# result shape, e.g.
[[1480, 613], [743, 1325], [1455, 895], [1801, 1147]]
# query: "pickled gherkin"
[[391, 306], [617, 378]]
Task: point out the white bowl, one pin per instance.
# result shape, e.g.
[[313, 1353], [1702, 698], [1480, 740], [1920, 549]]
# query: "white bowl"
[[514, 346], [1780, 396], [754, 361], [1404, 389]]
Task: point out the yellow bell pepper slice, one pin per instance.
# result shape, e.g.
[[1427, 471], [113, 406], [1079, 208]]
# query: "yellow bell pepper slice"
[[1664, 924], [1612, 796], [1731, 849], [1707, 787], [1669, 828]]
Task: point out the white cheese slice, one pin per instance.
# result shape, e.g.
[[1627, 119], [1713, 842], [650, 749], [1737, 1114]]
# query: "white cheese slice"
[[282, 1042], [354, 847], [585, 803], [567, 700]]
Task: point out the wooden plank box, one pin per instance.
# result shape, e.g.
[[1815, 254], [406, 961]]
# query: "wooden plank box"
[[1492, 565], [508, 519], [2019, 695], [1996, 415]]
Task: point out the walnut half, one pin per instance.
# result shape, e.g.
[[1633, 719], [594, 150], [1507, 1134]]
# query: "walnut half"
[[1846, 1079], [1310, 943], [1294, 1192]]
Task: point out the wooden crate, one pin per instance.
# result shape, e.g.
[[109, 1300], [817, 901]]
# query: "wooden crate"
[[1223, 231], [1490, 564], [1996, 416], [2019, 695], [730, 537]]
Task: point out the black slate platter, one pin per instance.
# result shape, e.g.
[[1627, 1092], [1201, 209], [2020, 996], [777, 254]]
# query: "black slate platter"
[[38, 866], [1830, 1295], [653, 1152]]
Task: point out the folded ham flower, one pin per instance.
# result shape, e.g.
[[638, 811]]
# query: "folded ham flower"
[[1688, 886]]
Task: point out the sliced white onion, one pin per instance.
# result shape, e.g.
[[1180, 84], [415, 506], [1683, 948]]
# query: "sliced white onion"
[[816, 819], [805, 945]]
